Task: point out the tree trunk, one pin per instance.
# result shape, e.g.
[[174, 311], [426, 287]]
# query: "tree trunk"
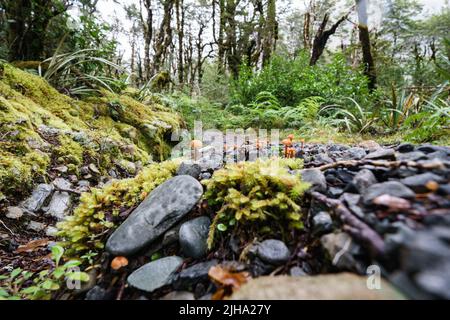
[[164, 36], [322, 36], [271, 32], [364, 38], [180, 29]]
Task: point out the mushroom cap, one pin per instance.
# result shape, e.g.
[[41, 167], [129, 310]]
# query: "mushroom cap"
[[119, 262], [196, 144], [287, 142], [291, 137]]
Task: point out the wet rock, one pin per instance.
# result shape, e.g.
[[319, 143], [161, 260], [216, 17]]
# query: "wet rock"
[[36, 226], [178, 295], [411, 156], [165, 205], [61, 183], [14, 213], [188, 277], [98, 293], [422, 252], [84, 170], [386, 154], [273, 251], [444, 189], [419, 182], [190, 169], [436, 281], [323, 158], [212, 162], [369, 144], [205, 175], [341, 250], [429, 148], [393, 188], [322, 223], [62, 169], [297, 272], [155, 274], [355, 153], [438, 155], [335, 192], [59, 205], [193, 236], [405, 147], [94, 168], [38, 197], [347, 287], [364, 179], [51, 231], [353, 203], [316, 178], [171, 236]]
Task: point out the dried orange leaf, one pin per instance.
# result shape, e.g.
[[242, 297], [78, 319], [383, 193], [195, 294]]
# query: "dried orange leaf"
[[32, 245], [224, 277]]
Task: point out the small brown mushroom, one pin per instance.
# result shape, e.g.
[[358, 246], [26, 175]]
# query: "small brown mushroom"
[[287, 143], [119, 262], [195, 146]]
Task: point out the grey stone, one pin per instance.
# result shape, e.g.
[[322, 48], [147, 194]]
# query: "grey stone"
[[61, 183], [418, 183], [212, 162], [14, 213], [51, 231], [171, 236], [405, 147], [353, 200], [193, 236], [323, 158], [429, 148], [273, 251], [178, 295], [438, 155], [155, 274], [98, 293], [316, 178], [189, 168], [436, 281], [36, 226], [341, 250], [62, 169], [38, 197], [388, 154], [355, 153], [205, 175], [322, 223], [59, 205], [411, 156], [165, 206], [392, 188], [364, 179], [94, 168], [188, 277], [297, 272]]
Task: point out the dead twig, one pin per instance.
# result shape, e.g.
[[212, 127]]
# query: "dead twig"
[[354, 226], [10, 231], [383, 163]]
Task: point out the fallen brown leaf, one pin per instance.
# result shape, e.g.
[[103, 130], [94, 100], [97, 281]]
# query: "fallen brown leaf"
[[392, 203], [227, 281], [32, 245]]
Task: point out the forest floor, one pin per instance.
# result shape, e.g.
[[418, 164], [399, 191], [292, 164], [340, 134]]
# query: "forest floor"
[[371, 208]]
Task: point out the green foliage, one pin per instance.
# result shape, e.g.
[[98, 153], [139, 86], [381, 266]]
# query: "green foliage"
[[291, 81], [22, 284], [99, 211], [432, 122], [254, 198], [84, 72], [355, 120]]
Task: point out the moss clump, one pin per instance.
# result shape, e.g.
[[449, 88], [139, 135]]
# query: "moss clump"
[[99, 211], [75, 132], [253, 198]]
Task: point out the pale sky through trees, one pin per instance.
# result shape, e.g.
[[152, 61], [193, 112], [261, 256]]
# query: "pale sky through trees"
[[110, 10]]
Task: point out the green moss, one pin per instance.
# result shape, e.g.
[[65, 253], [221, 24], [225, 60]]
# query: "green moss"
[[255, 198], [99, 210], [27, 102]]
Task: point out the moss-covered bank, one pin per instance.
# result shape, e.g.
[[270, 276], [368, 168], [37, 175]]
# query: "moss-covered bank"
[[40, 127]]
